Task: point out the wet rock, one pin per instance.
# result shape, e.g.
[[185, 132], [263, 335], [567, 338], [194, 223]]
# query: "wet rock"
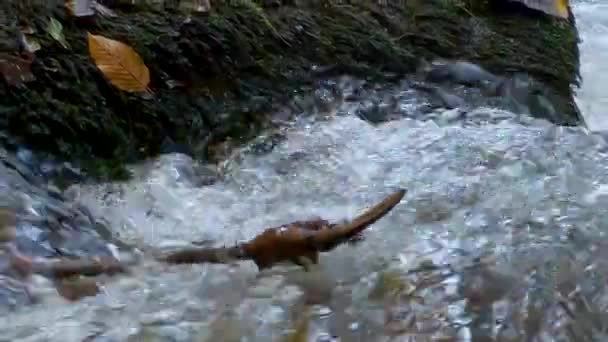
[[327, 98], [170, 146], [372, 112], [184, 170], [522, 94], [23, 169], [160, 318], [34, 241], [54, 192], [81, 244], [441, 97], [461, 72], [26, 157], [46, 226], [541, 107], [449, 116], [448, 100], [70, 173]]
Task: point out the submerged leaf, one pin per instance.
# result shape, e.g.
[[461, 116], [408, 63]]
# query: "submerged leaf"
[[76, 288], [55, 29], [119, 63], [301, 328], [390, 283]]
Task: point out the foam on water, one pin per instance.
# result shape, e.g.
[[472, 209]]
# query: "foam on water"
[[592, 22]]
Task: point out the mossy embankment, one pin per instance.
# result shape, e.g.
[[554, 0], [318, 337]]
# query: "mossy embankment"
[[216, 76]]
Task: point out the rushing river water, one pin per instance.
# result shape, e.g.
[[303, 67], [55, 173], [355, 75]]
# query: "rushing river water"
[[507, 214], [592, 22]]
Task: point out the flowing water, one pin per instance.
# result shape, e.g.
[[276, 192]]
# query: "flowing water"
[[592, 22], [501, 235]]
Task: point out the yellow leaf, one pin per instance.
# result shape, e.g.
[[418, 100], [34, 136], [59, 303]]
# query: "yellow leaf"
[[562, 8], [119, 63], [558, 8]]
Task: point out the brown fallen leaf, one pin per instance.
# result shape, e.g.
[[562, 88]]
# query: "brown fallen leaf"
[[119, 63], [16, 70], [299, 242]]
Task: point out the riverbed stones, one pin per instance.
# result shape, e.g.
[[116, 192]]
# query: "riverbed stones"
[[461, 72], [38, 224]]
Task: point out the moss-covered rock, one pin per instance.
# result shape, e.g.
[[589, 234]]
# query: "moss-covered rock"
[[215, 76]]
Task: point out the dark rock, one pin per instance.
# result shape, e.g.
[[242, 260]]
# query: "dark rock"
[[441, 97], [70, 173], [541, 107], [48, 168], [521, 93], [54, 192], [448, 100], [170, 146], [81, 244], [375, 112], [24, 170], [206, 175], [47, 226], [32, 240], [27, 157], [461, 72]]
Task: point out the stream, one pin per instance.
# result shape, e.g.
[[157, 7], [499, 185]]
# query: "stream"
[[501, 236]]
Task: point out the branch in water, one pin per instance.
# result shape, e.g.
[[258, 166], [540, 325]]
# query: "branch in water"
[[299, 242], [65, 268]]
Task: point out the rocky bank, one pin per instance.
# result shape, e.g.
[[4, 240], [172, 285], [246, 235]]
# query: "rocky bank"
[[216, 76]]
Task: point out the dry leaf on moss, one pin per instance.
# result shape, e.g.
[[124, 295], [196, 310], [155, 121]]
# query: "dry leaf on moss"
[[119, 63], [16, 70]]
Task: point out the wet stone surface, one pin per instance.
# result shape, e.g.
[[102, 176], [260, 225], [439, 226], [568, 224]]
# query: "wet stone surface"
[[47, 226]]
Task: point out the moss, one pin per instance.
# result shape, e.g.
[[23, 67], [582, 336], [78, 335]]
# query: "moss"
[[230, 66]]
